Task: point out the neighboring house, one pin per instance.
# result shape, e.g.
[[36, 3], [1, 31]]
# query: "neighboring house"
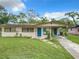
[[74, 30], [29, 30]]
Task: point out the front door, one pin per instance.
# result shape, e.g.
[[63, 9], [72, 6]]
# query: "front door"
[[39, 32]]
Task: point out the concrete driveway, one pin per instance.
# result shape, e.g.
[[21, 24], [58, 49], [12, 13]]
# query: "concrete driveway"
[[70, 46]]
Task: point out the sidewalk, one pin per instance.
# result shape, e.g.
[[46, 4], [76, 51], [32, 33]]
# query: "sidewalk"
[[70, 46]]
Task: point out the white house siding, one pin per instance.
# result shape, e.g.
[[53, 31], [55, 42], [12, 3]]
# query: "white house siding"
[[30, 34], [23, 34], [18, 33], [8, 34]]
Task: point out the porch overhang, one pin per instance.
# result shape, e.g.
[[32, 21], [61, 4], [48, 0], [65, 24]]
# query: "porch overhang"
[[50, 25]]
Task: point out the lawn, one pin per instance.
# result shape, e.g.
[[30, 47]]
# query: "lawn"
[[27, 48], [74, 38]]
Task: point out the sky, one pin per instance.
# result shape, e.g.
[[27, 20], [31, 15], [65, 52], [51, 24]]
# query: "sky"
[[46, 8]]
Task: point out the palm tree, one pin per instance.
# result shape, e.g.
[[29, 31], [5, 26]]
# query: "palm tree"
[[72, 15]]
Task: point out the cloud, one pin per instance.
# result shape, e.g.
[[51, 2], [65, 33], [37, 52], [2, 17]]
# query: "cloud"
[[56, 15], [15, 5]]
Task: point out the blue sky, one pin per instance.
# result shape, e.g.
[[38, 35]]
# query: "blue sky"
[[43, 6], [48, 8]]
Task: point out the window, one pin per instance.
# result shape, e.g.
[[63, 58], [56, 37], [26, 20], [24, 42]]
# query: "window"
[[13, 29], [9, 29], [31, 29], [24, 29], [27, 29]]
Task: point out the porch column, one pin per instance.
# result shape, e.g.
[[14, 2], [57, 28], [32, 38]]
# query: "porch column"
[[2, 29], [41, 31], [58, 32], [50, 33]]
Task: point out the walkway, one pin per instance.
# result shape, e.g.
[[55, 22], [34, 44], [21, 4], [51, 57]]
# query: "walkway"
[[71, 47]]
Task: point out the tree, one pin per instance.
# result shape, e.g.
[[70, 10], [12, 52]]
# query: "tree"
[[22, 21], [44, 20], [78, 18], [31, 20], [4, 16], [66, 21], [21, 18], [53, 20], [72, 15], [13, 19], [32, 16]]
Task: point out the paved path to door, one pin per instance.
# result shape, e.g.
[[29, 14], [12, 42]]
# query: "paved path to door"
[[70, 46]]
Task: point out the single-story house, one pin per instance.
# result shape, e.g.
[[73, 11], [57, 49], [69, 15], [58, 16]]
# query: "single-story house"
[[74, 30], [29, 30]]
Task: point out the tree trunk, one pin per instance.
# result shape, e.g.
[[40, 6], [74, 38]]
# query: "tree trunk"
[[74, 21]]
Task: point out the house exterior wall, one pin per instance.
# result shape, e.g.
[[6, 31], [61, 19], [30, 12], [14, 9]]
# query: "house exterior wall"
[[19, 32], [8, 34], [42, 35], [23, 34], [29, 34], [73, 31]]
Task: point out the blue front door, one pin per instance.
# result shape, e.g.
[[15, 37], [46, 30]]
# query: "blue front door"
[[39, 32]]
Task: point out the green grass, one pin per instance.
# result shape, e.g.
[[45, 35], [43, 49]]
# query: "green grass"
[[73, 38], [23, 48]]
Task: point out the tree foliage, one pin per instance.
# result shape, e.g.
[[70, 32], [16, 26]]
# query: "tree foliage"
[[6, 17], [73, 15], [30, 17]]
